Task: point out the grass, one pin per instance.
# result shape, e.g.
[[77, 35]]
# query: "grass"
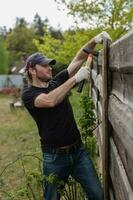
[[19, 137], [20, 151], [75, 102]]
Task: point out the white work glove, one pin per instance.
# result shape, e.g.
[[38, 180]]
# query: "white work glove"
[[82, 74], [100, 37]]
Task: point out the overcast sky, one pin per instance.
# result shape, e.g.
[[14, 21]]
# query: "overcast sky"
[[10, 9]]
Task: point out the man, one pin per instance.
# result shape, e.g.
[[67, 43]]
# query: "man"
[[47, 102]]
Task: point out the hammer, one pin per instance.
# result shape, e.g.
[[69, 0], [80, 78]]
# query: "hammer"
[[90, 53]]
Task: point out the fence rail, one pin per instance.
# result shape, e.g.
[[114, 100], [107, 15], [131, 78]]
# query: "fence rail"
[[112, 91]]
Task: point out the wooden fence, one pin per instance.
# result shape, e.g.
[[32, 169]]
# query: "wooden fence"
[[112, 91]]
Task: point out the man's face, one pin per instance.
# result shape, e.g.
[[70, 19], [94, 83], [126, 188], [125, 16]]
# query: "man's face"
[[43, 72]]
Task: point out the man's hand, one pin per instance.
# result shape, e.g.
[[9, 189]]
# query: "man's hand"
[[100, 37], [82, 74]]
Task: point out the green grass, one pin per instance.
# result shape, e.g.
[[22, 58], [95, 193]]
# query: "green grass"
[[20, 151], [75, 102], [19, 137]]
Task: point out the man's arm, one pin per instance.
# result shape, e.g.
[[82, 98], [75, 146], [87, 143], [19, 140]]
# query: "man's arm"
[[57, 95], [80, 58]]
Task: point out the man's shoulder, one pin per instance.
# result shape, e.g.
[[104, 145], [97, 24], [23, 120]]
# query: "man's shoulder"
[[29, 95], [26, 90], [29, 92]]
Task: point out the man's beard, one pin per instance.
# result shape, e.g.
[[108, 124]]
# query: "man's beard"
[[44, 79]]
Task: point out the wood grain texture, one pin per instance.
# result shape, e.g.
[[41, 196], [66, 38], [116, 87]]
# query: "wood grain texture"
[[121, 54], [121, 118], [105, 124], [122, 87], [120, 181], [97, 80], [113, 79], [111, 194]]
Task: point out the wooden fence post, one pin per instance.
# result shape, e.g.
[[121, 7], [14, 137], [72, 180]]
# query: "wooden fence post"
[[105, 123]]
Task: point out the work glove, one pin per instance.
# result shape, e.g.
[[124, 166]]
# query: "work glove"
[[100, 37], [82, 74]]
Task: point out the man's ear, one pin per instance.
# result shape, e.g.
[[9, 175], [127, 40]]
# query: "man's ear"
[[32, 70]]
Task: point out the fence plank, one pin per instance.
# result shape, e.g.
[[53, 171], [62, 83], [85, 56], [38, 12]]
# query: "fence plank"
[[122, 86], [121, 54], [120, 182], [99, 111], [111, 194], [119, 82], [121, 118], [105, 128], [97, 79]]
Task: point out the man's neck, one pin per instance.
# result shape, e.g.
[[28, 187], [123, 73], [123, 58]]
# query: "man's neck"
[[40, 84]]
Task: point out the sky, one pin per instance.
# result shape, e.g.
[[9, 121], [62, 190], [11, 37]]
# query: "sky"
[[10, 9]]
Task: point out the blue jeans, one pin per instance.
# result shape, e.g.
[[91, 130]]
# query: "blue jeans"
[[79, 166]]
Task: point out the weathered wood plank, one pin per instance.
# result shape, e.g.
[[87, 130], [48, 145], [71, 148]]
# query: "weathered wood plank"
[[94, 96], [105, 125], [100, 57], [118, 175], [94, 64], [122, 86], [120, 112], [99, 142], [94, 74], [100, 134], [111, 195], [121, 118], [97, 79], [121, 54], [99, 84], [99, 113]]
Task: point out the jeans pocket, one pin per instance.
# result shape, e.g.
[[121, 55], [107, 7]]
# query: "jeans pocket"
[[49, 158]]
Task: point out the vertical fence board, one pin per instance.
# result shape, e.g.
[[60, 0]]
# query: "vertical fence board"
[[105, 128]]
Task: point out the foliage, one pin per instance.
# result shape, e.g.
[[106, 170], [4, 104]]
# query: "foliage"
[[21, 22], [19, 43], [3, 56], [31, 185], [40, 26], [65, 48], [55, 33], [87, 121], [22, 173], [3, 31], [31, 181], [100, 13], [115, 16], [49, 47]]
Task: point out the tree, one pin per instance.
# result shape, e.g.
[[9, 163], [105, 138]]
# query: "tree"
[[20, 42], [40, 26], [107, 14], [21, 22], [55, 33], [64, 49], [3, 56], [3, 31]]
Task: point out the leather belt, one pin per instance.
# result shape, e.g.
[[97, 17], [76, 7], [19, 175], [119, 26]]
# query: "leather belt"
[[63, 150]]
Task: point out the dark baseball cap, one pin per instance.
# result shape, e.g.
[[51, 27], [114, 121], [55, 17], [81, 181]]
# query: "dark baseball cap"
[[38, 58]]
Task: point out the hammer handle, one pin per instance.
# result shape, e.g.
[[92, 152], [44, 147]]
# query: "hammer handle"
[[88, 64], [80, 86]]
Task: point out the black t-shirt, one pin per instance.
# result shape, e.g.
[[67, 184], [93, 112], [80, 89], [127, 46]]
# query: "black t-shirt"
[[57, 126]]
